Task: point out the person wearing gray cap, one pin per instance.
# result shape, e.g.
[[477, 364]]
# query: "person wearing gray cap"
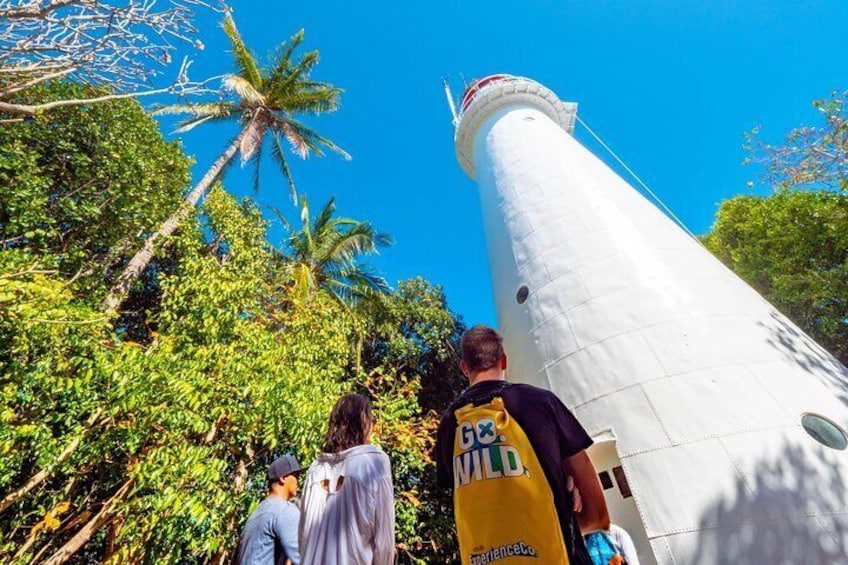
[[269, 536]]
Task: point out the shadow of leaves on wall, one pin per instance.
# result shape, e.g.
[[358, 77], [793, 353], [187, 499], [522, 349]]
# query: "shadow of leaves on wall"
[[789, 512], [801, 350]]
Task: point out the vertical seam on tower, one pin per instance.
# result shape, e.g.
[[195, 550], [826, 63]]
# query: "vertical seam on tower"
[[635, 489], [736, 466], [757, 378], [665, 430]]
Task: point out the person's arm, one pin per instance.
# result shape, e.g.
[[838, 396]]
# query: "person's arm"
[[595, 515], [443, 452], [576, 501], [286, 531], [574, 441], [384, 523]]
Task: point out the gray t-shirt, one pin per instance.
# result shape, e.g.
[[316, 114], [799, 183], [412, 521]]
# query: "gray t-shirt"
[[270, 534]]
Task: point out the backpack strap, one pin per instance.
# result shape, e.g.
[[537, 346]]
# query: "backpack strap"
[[466, 396]]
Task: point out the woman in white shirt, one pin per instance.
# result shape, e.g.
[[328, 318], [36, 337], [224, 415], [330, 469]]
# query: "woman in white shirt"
[[347, 515]]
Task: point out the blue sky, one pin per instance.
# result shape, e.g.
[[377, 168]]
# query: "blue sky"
[[670, 85]]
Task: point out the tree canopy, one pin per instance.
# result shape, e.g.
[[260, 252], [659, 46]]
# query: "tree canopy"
[[79, 183]]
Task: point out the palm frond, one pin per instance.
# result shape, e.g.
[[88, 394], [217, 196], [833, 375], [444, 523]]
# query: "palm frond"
[[268, 98], [329, 247], [256, 162], [291, 75], [303, 280], [304, 218], [307, 100], [314, 140], [344, 294], [279, 156], [244, 90], [383, 239], [360, 285], [322, 220], [284, 58], [287, 227], [343, 248], [361, 277], [191, 123], [298, 145], [196, 109], [244, 59]]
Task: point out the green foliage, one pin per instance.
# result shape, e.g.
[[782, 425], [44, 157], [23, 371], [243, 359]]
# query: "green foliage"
[[79, 184], [51, 388], [237, 373], [413, 330], [48, 349], [793, 248], [238, 380], [175, 434]]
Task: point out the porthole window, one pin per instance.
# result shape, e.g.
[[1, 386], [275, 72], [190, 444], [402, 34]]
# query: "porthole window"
[[522, 294], [824, 431]]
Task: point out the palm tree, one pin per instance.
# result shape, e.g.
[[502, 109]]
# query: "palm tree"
[[324, 255], [265, 103]]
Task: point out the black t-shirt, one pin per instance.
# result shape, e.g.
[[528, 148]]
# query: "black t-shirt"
[[553, 431]]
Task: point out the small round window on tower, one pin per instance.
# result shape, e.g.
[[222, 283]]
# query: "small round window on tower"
[[824, 431], [522, 294], [529, 118]]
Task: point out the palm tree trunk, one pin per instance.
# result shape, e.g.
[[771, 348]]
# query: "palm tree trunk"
[[106, 514], [137, 265]]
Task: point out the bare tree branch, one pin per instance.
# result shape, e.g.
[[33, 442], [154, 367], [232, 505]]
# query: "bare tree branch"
[[36, 9], [43, 78], [122, 45], [181, 88]]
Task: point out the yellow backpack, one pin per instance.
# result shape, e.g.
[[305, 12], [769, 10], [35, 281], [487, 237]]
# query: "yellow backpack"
[[504, 507]]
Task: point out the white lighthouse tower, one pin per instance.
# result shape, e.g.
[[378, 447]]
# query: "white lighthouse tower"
[[719, 425]]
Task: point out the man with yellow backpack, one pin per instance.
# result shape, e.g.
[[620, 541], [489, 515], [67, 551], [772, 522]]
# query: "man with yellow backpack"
[[507, 451]]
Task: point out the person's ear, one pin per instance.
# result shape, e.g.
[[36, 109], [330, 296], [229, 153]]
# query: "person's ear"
[[503, 361], [464, 368]]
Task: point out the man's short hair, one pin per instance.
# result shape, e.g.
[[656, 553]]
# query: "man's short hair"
[[482, 348]]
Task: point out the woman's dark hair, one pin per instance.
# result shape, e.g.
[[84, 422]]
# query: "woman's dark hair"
[[350, 421]]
